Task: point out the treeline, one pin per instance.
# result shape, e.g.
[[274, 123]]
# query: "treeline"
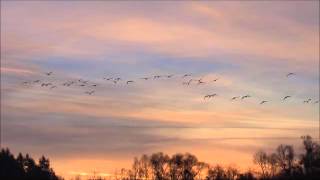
[[281, 164], [24, 167]]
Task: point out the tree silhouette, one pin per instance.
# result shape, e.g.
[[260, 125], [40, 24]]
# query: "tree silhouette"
[[282, 164], [24, 168]]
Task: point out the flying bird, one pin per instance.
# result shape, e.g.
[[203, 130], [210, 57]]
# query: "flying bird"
[[262, 102], [94, 85], [145, 78], [129, 82], [200, 81], [307, 101], [209, 96], [290, 74], [246, 96], [48, 73], [286, 97], [169, 76], [52, 87], [235, 97], [156, 77], [89, 92], [36, 81], [46, 84], [215, 80], [186, 75], [316, 102], [108, 79]]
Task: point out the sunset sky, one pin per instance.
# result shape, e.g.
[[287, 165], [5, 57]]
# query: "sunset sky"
[[249, 46]]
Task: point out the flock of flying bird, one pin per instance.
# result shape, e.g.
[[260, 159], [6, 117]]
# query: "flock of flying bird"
[[116, 80]]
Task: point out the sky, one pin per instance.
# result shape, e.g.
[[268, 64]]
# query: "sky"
[[249, 46]]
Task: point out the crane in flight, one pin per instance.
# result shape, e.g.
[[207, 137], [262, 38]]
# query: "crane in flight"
[[200, 81], [290, 74], [209, 96], [286, 97], [49, 73], [89, 92], [307, 101], [262, 102], [246, 96], [235, 97], [129, 82], [186, 75], [215, 80]]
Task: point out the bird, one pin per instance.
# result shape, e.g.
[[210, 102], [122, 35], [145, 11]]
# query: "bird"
[[129, 82], [89, 92], [262, 102], [286, 97], [52, 87], [145, 78], [117, 79], [307, 101], [48, 73], [94, 85], [200, 81], [290, 74], [156, 77], [169, 76], [246, 96], [46, 84], [108, 79], [316, 102], [36, 81], [235, 97], [82, 85], [186, 75], [215, 80], [209, 96]]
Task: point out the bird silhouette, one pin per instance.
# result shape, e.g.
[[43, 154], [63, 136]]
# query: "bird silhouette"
[[89, 92], [169, 76], [209, 96], [307, 101], [246, 96], [129, 82], [36, 81], [52, 87], [156, 77], [145, 78], [290, 74], [108, 79], [286, 97], [48, 73], [46, 84], [262, 102], [235, 97], [186, 75], [215, 80], [316, 102], [200, 81]]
